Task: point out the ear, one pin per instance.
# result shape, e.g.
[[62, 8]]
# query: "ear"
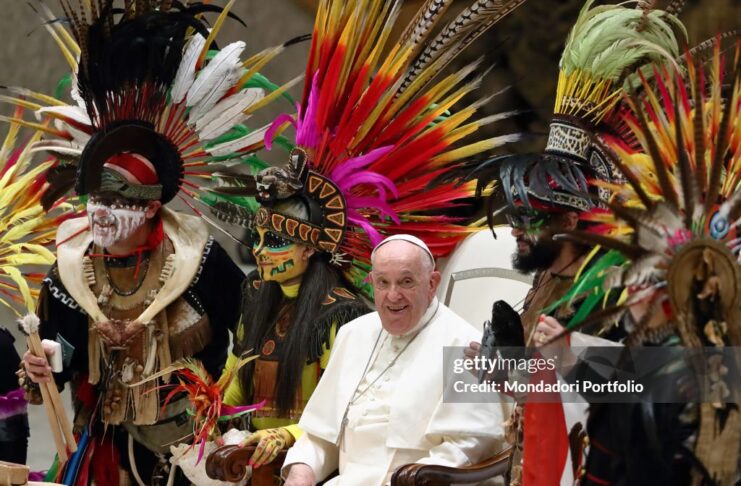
[[569, 220], [152, 208], [435, 279], [307, 253]]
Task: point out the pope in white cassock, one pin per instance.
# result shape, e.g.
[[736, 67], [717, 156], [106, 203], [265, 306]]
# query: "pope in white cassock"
[[379, 404]]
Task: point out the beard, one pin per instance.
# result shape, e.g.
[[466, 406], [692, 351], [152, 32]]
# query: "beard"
[[114, 225], [543, 252]]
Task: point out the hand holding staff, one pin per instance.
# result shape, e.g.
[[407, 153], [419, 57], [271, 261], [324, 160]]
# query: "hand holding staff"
[[58, 421]]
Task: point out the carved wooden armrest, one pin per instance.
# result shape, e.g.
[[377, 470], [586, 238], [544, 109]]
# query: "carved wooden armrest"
[[229, 463], [432, 475]]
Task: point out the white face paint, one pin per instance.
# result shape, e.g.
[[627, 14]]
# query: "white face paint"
[[111, 224]]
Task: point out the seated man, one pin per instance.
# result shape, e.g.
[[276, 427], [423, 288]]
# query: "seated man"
[[379, 404]]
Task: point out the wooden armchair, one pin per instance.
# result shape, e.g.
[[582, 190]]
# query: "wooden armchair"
[[229, 463], [431, 475]]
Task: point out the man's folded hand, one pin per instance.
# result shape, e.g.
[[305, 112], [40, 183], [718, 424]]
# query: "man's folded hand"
[[300, 475]]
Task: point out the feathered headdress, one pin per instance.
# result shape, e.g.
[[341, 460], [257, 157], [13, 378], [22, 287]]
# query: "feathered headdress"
[[150, 82], [604, 47], [675, 243], [672, 229], [373, 131], [26, 231]]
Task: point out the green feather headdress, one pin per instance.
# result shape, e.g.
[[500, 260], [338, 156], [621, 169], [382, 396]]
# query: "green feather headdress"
[[606, 43]]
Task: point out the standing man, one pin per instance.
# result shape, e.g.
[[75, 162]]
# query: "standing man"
[[549, 193], [380, 404], [683, 315], [137, 286]]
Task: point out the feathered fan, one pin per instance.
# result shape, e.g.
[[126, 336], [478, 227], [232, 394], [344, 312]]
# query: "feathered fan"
[[26, 231]]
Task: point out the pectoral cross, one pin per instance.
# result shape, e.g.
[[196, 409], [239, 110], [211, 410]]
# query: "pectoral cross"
[[341, 438]]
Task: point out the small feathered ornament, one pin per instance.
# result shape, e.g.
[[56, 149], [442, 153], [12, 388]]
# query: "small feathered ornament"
[[205, 396]]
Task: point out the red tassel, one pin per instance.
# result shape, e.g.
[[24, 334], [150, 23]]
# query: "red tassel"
[[105, 462]]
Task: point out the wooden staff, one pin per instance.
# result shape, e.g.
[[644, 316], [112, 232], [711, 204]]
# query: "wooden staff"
[[58, 421]]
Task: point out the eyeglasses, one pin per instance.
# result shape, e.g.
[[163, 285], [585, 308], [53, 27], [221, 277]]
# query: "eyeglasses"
[[269, 240], [528, 219]]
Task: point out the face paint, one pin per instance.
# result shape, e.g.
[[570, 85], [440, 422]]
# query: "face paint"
[[536, 249], [531, 221], [113, 222], [278, 259]]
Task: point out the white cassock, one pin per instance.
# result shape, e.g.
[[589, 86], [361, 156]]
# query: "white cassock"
[[395, 415]]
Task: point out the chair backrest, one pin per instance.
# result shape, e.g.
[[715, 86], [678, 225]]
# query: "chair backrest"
[[480, 272]]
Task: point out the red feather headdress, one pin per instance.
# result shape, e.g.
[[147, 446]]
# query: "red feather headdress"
[[376, 145]]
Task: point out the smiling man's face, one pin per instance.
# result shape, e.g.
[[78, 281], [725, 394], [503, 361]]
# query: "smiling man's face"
[[404, 285]]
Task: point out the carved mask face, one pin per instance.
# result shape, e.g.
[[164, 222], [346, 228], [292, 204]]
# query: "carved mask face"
[[114, 219], [279, 259]]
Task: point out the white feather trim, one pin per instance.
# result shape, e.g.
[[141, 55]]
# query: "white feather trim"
[[215, 80], [227, 113], [78, 137], [187, 70], [241, 142], [62, 147], [74, 113], [74, 91], [30, 323]]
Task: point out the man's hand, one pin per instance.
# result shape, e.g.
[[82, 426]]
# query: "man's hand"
[[471, 352], [549, 328], [269, 444], [300, 475], [38, 368]]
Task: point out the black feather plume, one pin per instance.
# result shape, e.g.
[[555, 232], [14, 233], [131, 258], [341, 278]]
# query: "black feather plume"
[[130, 55], [61, 180]]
